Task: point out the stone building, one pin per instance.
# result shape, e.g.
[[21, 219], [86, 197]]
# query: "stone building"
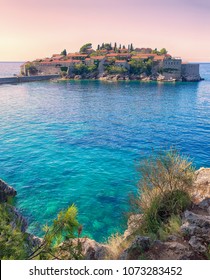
[[171, 68]]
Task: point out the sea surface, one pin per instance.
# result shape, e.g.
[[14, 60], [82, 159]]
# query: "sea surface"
[[9, 69], [81, 141]]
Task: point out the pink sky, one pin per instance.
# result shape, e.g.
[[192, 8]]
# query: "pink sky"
[[32, 29]]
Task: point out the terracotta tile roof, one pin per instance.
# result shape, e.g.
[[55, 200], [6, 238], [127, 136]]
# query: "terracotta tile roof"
[[66, 61], [76, 55], [137, 57], [159, 57], [56, 61], [100, 57], [120, 61], [58, 57], [118, 54], [112, 54]]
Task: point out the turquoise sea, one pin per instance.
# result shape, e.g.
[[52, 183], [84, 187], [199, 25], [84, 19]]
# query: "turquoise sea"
[[80, 142]]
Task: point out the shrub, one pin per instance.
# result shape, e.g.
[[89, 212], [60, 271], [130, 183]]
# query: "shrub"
[[164, 189], [117, 244], [12, 240], [172, 227], [30, 67], [116, 70]]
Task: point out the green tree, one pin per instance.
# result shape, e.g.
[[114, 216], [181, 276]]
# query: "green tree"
[[137, 67], [31, 68], [112, 69], [85, 47], [13, 243], [131, 48], [155, 51], [107, 46], [163, 51], [64, 52], [59, 239], [115, 46]]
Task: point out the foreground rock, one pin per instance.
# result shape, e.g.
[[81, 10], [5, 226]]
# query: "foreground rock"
[[202, 184], [90, 249], [6, 191]]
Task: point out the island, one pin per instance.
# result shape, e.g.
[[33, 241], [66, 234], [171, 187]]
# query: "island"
[[114, 63]]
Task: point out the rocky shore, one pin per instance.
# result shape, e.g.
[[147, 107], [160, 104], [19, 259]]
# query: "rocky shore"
[[191, 242], [124, 77]]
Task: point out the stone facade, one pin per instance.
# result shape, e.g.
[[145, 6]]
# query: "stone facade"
[[171, 68], [190, 72]]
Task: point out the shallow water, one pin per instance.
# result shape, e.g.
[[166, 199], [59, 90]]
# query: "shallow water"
[[80, 141]]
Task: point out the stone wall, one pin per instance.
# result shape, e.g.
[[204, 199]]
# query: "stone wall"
[[190, 72], [48, 69], [172, 68], [24, 79]]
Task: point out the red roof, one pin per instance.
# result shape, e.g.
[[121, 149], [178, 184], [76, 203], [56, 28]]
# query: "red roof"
[[77, 55], [159, 57], [58, 57], [118, 54], [98, 57]]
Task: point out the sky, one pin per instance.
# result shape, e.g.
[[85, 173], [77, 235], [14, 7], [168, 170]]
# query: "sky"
[[31, 29]]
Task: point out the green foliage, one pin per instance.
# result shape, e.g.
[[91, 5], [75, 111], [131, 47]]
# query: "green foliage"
[[111, 69], [31, 68], [131, 48], [162, 208], [64, 229], [12, 241], [139, 67], [64, 52], [163, 51], [106, 46], [85, 47], [80, 69], [164, 189], [172, 227]]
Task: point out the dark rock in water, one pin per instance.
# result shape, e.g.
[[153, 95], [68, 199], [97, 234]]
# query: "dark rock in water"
[[6, 191]]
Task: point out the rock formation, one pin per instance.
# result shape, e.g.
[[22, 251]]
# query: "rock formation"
[[6, 191]]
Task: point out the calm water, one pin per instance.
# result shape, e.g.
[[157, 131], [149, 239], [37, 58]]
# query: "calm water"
[[9, 69], [79, 142]]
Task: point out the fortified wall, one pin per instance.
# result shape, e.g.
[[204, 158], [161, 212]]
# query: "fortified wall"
[[190, 72]]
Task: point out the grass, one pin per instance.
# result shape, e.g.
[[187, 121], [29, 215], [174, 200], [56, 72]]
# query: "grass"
[[165, 190], [117, 244]]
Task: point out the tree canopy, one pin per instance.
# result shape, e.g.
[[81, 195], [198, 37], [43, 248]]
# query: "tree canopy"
[[85, 47], [64, 52]]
